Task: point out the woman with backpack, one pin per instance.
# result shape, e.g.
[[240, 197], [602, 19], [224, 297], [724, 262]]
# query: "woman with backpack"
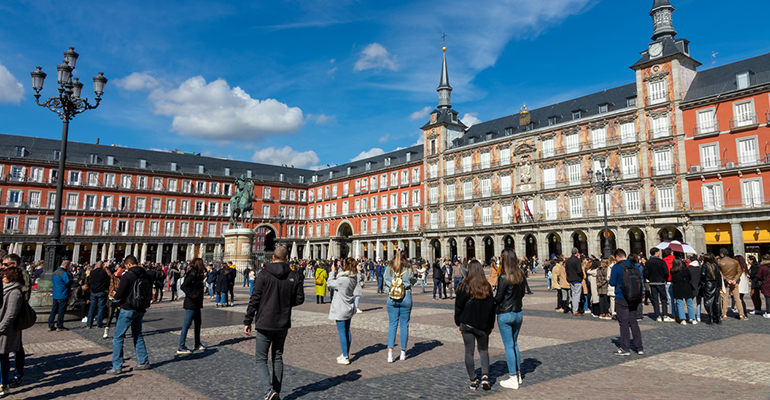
[[320, 283], [475, 319], [343, 281], [397, 280], [193, 302], [510, 291], [10, 335]]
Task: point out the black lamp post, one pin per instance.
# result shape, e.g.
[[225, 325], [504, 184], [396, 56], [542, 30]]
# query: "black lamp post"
[[280, 220], [604, 181], [67, 105]]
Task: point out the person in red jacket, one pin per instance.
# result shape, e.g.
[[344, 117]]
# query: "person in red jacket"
[[668, 258]]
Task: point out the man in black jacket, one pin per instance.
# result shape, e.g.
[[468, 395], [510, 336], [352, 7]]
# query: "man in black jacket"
[[438, 279], [100, 285], [276, 290], [130, 317], [656, 272], [574, 271]]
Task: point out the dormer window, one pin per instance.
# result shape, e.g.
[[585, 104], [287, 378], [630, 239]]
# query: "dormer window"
[[368, 165], [93, 158], [349, 170], [20, 151], [631, 102], [454, 117], [301, 179], [142, 163], [508, 131], [604, 108], [577, 114], [551, 121], [489, 136], [742, 80], [110, 160], [173, 166], [248, 173], [471, 140], [280, 177], [56, 155], [387, 161], [201, 169], [227, 171], [331, 174], [314, 179]]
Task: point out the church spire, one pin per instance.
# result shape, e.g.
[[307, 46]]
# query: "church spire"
[[662, 19], [444, 90]]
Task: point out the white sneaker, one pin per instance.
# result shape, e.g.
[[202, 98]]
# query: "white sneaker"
[[343, 361], [519, 377], [694, 322], [668, 319], [403, 356], [358, 311], [390, 357], [766, 315], [511, 383], [84, 320], [659, 319], [106, 330], [340, 357], [683, 322]]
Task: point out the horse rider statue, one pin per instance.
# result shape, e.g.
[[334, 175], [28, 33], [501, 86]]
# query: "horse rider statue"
[[240, 203]]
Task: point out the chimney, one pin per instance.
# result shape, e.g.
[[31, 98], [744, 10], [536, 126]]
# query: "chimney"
[[97, 140]]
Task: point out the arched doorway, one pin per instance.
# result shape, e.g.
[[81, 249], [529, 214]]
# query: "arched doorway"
[[344, 232], [580, 242], [554, 245], [489, 249], [470, 248], [436, 245], [452, 248], [508, 242], [530, 245], [637, 242], [670, 233], [611, 240], [270, 241]]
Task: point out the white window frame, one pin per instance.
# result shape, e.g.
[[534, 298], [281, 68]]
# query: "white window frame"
[[666, 198]]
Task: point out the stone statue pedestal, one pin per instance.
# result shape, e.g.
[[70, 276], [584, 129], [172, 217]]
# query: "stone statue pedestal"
[[238, 246]]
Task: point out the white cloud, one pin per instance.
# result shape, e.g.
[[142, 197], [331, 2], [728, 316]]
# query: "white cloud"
[[375, 56], [285, 155], [420, 114], [470, 119], [322, 119], [370, 153], [137, 81], [11, 90], [216, 111], [384, 138]]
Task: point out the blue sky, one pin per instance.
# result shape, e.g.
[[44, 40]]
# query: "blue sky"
[[310, 83]]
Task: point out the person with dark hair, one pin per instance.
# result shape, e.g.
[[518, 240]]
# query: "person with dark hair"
[[695, 271], [130, 317], [711, 279], [399, 310], [10, 335], [626, 310], [158, 279], [657, 273], [574, 270], [222, 284], [682, 289], [602, 286], [475, 319], [342, 309], [744, 284], [756, 292], [62, 281], [438, 279], [763, 276], [510, 292], [100, 285], [731, 273], [193, 302]]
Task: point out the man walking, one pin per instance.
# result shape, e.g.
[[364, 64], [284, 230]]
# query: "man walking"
[[380, 271], [575, 278], [100, 284], [62, 280], [276, 290], [132, 311], [438, 279], [731, 273], [656, 272], [626, 309]]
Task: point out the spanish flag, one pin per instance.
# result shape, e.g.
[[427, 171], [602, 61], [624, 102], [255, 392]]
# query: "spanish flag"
[[516, 211]]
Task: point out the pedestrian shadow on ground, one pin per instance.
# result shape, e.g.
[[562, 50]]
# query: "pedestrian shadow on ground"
[[324, 385], [234, 341], [372, 309], [616, 342], [422, 347], [373, 349], [500, 370], [196, 355], [63, 369]]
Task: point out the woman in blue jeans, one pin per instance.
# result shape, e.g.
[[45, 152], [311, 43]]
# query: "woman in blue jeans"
[[193, 302], [399, 310], [682, 291], [343, 281], [511, 286]]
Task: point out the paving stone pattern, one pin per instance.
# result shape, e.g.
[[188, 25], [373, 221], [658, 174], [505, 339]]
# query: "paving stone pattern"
[[562, 357]]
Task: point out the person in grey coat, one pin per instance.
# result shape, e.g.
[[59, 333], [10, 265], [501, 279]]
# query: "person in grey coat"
[[10, 336], [344, 282]]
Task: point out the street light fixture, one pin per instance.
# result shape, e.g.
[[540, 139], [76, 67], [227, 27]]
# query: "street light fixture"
[[604, 181], [66, 105], [280, 220]]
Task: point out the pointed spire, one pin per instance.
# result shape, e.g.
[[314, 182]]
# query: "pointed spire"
[[444, 90], [662, 19]]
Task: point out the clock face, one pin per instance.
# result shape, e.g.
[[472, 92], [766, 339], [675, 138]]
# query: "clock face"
[[656, 49]]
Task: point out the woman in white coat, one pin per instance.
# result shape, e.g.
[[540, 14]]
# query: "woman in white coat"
[[344, 282]]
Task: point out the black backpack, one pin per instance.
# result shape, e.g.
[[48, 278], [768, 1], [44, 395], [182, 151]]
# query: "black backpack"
[[632, 286], [141, 293]]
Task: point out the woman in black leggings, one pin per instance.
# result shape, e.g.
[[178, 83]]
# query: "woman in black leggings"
[[475, 319]]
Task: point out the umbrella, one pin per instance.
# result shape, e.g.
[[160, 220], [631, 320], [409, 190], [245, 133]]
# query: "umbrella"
[[678, 246], [306, 251], [294, 250]]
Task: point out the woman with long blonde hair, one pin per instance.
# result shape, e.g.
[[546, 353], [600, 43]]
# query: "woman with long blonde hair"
[[399, 309], [511, 286]]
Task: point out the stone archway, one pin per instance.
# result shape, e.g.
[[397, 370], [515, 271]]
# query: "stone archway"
[[470, 248], [554, 244], [530, 245], [637, 242], [489, 249], [602, 241], [580, 241]]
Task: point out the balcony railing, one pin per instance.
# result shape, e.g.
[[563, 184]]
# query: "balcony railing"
[[663, 170], [750, 203], [660, 132], [744, 121], [706, 129], [729, 163]]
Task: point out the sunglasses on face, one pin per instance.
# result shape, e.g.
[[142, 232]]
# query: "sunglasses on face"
[[11, 264]]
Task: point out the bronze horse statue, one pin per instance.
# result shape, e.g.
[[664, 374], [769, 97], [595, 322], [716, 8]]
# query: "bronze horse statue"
[[241, 202]]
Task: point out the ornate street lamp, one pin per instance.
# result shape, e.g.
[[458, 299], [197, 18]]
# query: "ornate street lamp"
[[67, 105], [280, 219], [603, 182]]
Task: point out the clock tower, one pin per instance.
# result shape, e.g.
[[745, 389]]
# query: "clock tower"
[[444, 125]]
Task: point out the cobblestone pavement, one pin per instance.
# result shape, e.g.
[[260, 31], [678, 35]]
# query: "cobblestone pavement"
[[563, 357]]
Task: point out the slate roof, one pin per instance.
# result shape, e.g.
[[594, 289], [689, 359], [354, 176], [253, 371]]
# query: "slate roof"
[[187, 163], [671, 46], [397, 157], [615, 98], [721, 80]]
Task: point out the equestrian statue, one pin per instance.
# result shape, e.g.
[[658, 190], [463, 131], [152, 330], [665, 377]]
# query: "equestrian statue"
[[240, 203]]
